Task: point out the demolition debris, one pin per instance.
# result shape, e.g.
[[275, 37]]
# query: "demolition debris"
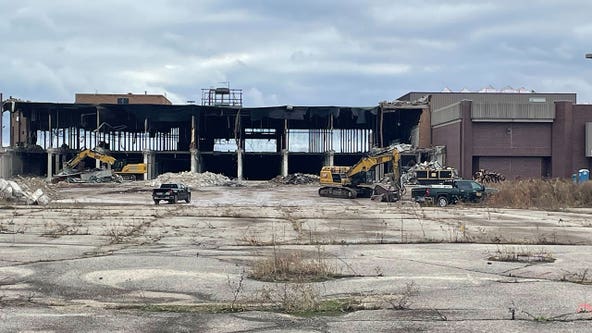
[[487, 176], [194, 179], [296, 179], [29, 192]]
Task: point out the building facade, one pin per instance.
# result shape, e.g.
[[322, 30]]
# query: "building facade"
[[128, 98], [520, 135]]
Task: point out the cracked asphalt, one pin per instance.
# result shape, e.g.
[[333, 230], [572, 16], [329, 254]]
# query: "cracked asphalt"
[[103, 257]]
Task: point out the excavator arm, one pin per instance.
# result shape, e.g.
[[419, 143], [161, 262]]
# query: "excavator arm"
[[369, 162], [92, 154], [353, 177]]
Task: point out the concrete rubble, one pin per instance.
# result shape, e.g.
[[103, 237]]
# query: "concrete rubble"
[[194, 179], [30, 191], [296, 179]]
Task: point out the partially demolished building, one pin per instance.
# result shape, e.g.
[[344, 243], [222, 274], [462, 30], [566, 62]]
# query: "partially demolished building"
[[518, 134], [243, 142]]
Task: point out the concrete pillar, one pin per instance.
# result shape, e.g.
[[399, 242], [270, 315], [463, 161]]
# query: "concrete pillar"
[[57, 165], [284, 162], [6, 163], [50, 154], [239, 164], [329, 158], [195, 161], [150, 161]]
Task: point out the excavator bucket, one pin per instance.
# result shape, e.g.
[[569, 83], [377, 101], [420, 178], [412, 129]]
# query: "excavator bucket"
[[385, 194]]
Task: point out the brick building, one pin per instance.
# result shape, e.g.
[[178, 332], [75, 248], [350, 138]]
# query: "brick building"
[[128, 98], [525, 134]]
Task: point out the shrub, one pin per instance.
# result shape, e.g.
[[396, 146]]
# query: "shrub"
[[551, 194]]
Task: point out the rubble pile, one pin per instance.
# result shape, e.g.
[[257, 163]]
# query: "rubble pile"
[[194, 179], [487, 176], [296, 179], [29, 191]]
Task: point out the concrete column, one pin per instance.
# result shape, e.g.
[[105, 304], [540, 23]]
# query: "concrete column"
[[329, 158], [50, 153], [284, 162], [561, 141], [6, 163], [150, 161], [239, 164], [56, 161], [195, 161]]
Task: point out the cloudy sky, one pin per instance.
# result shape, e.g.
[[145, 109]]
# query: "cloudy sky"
[[305, 52]]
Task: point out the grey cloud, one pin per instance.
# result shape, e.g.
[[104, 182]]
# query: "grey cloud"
[[292, 52]]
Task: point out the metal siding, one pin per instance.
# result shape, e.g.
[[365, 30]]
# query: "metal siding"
[[446, 114], [440, 100], [539, 111], [588, 139], [513, 167]]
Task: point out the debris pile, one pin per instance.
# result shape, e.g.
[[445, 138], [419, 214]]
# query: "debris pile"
[[487, 176], [29, 191], [296, 179], [194, 179], [411, 176]]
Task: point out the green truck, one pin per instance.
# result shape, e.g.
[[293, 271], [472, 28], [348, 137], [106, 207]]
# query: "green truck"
[[450, 192]]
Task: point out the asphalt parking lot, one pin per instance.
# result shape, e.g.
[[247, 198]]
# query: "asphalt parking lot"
[[103, 257]]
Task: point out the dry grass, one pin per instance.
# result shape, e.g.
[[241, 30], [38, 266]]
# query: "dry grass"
[[292, 266], [549, 194], [521, 254]]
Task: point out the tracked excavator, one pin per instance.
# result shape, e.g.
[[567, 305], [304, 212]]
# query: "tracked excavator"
[[122, 171], [96, 154], [357, 181]]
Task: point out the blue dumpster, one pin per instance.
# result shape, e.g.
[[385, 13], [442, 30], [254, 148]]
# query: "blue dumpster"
[[583, 175]]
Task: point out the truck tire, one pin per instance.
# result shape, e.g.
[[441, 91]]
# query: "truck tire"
[[156, 202], [442, 201], [173, 200], [188, 199]]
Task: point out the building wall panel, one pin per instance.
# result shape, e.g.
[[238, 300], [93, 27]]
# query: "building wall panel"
[[513, 167], [511, 139], [582, 115], [449, 136]]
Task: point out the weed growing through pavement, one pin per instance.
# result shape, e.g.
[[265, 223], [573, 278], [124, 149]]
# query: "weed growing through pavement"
[[402, 299], [521, 254], [583, 276], [293, 266]]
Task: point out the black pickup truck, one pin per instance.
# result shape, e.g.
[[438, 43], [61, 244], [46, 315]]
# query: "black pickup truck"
[[450, 192], [171, 193]]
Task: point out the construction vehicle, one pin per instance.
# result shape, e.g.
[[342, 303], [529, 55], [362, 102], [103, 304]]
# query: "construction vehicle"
[[96, 154], [357, 181], [122, 171], [130, 171]]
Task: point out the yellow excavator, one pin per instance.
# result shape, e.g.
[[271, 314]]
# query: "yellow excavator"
[[97, 155], [357, 181], [126, 171]]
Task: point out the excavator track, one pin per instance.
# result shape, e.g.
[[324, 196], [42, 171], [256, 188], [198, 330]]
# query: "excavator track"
[[341, 192]]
